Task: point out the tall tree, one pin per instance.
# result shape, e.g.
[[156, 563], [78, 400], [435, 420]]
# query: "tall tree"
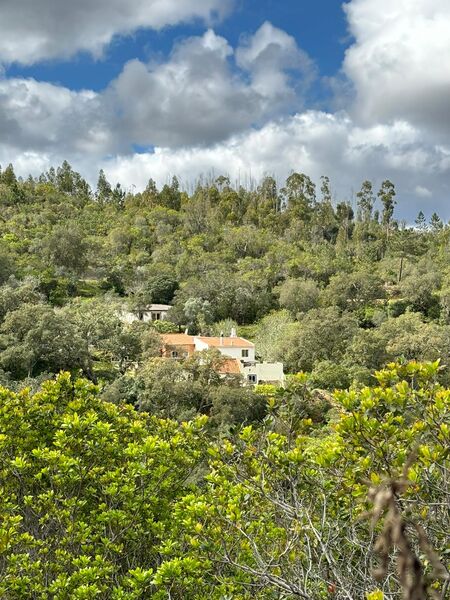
[[8, 177], [104, 190], [325, 189], [387, 197], [436, 222], [366, 201], [300, 195], [421, 222]]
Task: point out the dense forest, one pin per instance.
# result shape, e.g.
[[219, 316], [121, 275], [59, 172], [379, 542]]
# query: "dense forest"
[[134, 476], [333, 289]]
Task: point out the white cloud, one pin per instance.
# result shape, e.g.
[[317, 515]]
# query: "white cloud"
[[26, 163], [400, 61], [35, 30], [37, 116], [423, 192], [196, 96], [191, 98], [267, 55]]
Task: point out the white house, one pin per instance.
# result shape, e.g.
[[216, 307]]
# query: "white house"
[[239, 352], [263, 372], [151, 312], [231, 347]]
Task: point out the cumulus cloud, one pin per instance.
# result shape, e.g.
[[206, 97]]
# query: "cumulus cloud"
[[268, 55], [196, 96], [399, 62], [191, 98], [41, 117], [34, 30]]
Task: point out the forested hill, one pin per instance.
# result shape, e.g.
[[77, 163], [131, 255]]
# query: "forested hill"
[[328, 288], [132, 476]]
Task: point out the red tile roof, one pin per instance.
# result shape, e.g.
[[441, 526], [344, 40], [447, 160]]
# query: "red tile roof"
[[226, 342], [178, 339], [229, 365]]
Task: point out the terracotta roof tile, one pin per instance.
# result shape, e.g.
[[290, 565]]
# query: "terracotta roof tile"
[[226, 342], [230, 365], [178, 339]]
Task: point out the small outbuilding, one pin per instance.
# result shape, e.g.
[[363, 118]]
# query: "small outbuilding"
[[151, 312]]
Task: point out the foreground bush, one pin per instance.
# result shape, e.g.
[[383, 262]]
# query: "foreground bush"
[[99, 501], [285, 515], [87, 489]]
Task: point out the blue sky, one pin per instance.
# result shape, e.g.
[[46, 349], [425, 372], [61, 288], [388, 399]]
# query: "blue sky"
[[160, 87], [319, 27]]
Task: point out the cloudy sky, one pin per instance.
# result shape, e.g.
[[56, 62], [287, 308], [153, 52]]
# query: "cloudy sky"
[[152, 88]]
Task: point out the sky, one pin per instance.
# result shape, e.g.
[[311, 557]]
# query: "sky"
[[245, 88]]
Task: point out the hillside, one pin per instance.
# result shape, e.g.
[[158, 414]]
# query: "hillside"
[[333, 289]]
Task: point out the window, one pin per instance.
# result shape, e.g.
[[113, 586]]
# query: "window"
[[174, 354], [141, 316], [252, 378], [244, 353], [157, 316]]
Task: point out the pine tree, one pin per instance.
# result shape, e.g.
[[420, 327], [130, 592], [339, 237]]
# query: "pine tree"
[[8, 176], [104, 190], [421, 222], [436, 222]]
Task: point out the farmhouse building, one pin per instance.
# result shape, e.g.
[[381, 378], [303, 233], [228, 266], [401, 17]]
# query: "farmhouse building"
[[238, 352], [151, 312]]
